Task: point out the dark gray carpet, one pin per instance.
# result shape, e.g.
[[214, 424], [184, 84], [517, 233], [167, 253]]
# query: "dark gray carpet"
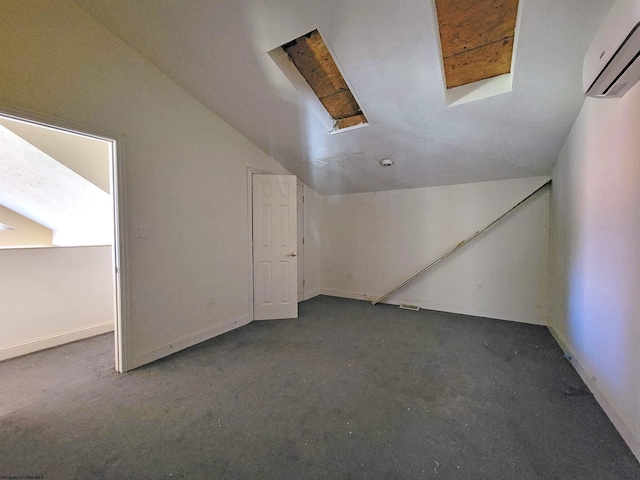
[[347, 391]]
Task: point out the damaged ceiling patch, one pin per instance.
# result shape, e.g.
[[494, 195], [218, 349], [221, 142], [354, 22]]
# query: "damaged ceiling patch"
[[477, 38], [312, 58]]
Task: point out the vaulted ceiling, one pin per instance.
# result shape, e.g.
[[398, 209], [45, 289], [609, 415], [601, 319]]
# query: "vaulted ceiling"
[[389, 54], [57, 194]]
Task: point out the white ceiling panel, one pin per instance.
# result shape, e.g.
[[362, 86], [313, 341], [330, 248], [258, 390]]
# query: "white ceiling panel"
[[388, 50]]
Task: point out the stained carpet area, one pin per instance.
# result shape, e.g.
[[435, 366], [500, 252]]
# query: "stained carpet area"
[[347, 391]]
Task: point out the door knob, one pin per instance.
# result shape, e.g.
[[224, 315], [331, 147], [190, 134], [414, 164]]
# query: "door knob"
[[292, 254]]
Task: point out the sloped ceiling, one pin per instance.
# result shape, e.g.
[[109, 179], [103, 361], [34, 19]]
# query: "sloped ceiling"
[[40, 188], [86, 156], [389, 53]]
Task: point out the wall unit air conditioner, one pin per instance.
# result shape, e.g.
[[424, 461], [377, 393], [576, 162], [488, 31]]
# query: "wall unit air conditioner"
[[612, 64]]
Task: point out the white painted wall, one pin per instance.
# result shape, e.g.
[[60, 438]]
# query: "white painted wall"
[[312, 249], [184, 167], [595, 255], [25, 231], [373, 241], [51, 296]]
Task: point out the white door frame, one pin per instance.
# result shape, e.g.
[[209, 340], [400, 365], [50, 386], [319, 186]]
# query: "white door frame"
[[300, 247], [118, 250]]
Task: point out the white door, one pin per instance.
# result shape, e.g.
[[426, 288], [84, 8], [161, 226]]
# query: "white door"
[[300, 242], [275, 266]]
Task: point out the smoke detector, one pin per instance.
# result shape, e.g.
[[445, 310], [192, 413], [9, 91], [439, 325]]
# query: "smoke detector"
[[386, 162]]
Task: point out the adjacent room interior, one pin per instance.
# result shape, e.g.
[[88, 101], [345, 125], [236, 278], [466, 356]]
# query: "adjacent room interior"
[[271, 153], [57, 240]]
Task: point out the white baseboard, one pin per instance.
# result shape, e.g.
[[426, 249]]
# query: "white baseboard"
[[475, 312], [54, 340], [344, 294], [624, 426], [174, 347], [443, 307], [311, 294]]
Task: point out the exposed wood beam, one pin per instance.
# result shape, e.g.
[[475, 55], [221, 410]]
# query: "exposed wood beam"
[[313, 60], [483, 62], [476, 37]]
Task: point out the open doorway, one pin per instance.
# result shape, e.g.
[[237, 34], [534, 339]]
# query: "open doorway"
[[58, 248]]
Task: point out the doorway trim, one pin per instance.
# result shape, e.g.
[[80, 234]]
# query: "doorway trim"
[[301, 234], [119, 247]]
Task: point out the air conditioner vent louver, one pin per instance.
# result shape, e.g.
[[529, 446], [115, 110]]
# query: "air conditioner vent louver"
[[612, 64], [615, 90]]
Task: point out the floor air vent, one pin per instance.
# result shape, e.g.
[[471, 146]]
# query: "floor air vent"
[[406, 306]]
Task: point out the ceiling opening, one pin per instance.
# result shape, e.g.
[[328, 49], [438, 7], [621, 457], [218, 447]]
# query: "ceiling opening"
[[477, 39], [312, 58]]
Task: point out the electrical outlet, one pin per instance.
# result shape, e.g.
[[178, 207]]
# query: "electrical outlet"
[[212, 301], [479, 285], [349, 276], [142, 231]]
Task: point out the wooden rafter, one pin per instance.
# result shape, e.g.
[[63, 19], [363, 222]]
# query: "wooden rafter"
[[313, 60]]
